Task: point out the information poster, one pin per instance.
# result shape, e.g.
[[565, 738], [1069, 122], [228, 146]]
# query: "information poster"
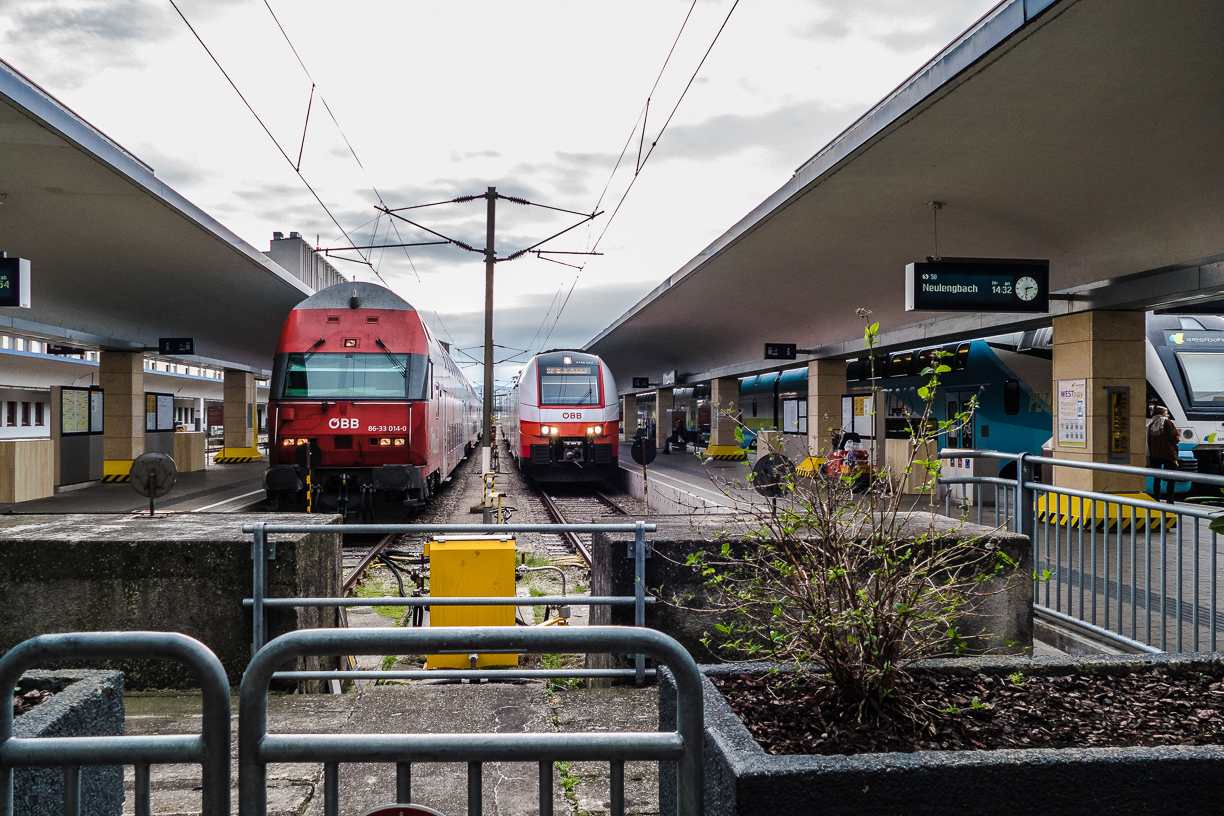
[[95, 412], [790, 416], [1072, 419], [71, 420], [165, 412]]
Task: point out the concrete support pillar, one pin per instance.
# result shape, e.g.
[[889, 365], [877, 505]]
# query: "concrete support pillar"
[[1099, 352], [121, 375], [199, 424], [628, 416], [664, 401], [826, 385], [724, 405], [240, 417]]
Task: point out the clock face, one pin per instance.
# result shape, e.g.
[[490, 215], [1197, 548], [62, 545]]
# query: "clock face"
[[1026, 288]]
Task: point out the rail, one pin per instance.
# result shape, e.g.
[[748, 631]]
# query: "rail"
[[257, 748], [1119, 565], [263, 550], [210, 748]]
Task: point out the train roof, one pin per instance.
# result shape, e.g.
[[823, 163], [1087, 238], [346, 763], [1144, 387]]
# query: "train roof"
[[369, 296]]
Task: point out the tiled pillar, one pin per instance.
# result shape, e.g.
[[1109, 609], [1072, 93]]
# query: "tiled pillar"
[[240, 430], [826, 385], [121, 375], [1097, 352], [628, 416], [724, 398], [664, 401]]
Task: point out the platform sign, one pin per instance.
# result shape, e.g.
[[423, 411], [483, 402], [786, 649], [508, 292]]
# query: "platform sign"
[[1072, 414], [176, 345], [15, 283], [641, 382], [992, 285], [780, 351]]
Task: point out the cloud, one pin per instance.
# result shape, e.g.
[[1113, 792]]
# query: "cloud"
[[790, 131], [456, 156], [900, 26]]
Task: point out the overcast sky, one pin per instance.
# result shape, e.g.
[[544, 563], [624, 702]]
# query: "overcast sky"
[[441, 99]]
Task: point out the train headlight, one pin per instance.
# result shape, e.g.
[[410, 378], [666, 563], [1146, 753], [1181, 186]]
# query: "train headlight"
[[598, 429], [591, 430], [288, 443], [544, 430], [399, 442], [554, 430], [384, 442]]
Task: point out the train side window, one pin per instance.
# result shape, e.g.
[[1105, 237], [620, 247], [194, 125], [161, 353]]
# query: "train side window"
[[960, 358], [926, 359], [1011, 397], [901, 364]]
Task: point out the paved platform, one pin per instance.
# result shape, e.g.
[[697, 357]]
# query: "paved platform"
[[509, 788], [217, 489], [683, 470]]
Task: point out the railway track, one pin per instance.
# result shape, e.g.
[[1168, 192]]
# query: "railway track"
[[571, 508], [364, 563]]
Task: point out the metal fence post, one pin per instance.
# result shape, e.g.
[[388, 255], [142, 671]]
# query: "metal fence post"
[[259, 635], [1024, 500], [639, 595]]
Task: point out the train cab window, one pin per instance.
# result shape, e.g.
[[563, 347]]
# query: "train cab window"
[[353, 375], [1011, 397], [960, 358], [569, 385], [1190, 324]]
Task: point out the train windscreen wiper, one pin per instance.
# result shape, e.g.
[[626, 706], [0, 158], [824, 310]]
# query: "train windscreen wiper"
[[403, 369], [310, 352], [590, 391]]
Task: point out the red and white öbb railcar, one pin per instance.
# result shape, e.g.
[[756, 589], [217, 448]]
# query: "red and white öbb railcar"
[[563, 418], [365, 401]]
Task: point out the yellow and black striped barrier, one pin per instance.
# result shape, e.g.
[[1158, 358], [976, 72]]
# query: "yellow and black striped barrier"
[[810, 466], [232, 456], [116, 470], [1087, 513], [725, 453]]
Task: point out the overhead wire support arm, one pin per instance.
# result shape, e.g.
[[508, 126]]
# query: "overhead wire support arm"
[[445, 238], [514, 255], [329, 250]]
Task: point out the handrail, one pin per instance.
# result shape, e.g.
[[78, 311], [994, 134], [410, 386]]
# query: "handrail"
[[257, 748], [210, 748], [1163, 475]]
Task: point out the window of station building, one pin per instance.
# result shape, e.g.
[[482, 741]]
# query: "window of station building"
[[25, 413], [794, 416], [38, 414], [11, 414]]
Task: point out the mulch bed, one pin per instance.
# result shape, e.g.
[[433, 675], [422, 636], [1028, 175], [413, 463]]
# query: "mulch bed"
[[986, 712], [23, 701]]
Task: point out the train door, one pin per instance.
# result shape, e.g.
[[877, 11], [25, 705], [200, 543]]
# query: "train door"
[[958, 435]]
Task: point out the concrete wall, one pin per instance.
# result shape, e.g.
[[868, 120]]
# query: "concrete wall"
[[185, 573], [664, 499], [1003, 611], [86, 704]]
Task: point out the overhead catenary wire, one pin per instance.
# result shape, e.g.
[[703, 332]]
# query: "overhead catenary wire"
[[266, 130]]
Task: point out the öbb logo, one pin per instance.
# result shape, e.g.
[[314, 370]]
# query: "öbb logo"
[[342, 422], [572, 415]]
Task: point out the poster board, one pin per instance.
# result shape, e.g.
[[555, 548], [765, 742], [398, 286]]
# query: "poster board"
[[1072, 414]]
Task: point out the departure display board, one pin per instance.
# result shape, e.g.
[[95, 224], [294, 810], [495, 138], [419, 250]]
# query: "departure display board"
[[15, 282], [570, 369], [978, 285]]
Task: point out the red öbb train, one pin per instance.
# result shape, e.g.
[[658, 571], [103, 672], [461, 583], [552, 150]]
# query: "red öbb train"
[[563, 418], [364, 400]]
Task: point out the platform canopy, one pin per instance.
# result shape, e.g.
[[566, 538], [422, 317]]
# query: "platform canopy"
[[118, 258], [1085, 132]]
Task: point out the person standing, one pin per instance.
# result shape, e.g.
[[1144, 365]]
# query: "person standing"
[[1162, 448]]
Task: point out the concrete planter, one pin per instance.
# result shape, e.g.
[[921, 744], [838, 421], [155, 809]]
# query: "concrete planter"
[[87, 704], [740, 778]]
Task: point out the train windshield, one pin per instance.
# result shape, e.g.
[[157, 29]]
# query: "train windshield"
[[1204, 375], [352, 376], [569, 385]]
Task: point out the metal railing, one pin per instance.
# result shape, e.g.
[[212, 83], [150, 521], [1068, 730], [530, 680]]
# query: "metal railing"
[[210, 748], [1124, 567], [257, 748], [264, 550]]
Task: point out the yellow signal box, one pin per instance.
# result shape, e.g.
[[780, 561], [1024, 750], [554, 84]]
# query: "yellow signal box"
[[473, 567]]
